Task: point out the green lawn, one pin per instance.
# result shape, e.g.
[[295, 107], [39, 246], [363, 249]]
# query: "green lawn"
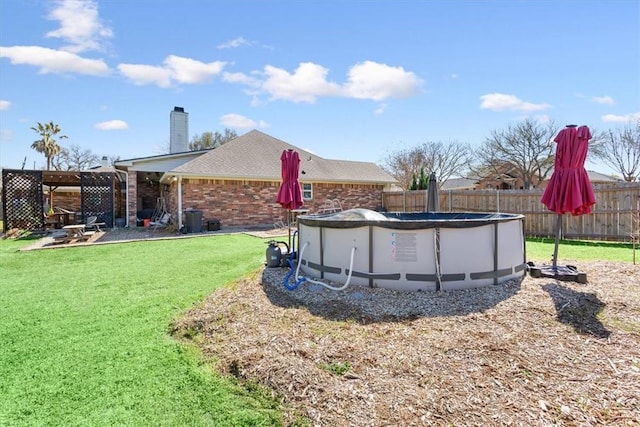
[[84, 335], [574, 250], [84, 332]]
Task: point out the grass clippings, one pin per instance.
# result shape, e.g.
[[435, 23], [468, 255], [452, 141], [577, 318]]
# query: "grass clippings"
[[543, 353]]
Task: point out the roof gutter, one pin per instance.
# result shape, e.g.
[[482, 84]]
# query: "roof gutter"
[[168, 176]]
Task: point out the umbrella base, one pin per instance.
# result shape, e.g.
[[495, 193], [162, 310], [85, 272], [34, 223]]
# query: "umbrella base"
[[567, 273]]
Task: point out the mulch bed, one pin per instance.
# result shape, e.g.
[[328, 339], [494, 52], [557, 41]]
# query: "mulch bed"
[[535, 352]]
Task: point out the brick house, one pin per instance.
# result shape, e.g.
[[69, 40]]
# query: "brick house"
[[237, 183]]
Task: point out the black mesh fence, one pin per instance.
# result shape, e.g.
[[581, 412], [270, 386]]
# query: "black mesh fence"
[[22, 203], [98, 196]]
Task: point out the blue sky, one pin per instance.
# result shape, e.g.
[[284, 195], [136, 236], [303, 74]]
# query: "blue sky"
[[352, 80]]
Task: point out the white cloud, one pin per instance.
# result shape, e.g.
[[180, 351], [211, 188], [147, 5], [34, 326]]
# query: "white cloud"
[[501, 102], [174, 69], [190, 71], [304, 85], [367, 80], [80, 25], [4, 105], [237, 42], [380, 110], [6, 135], [255, 99], [112, 125], [371, 80], [625, 118], [146, 74], [604, 100], [238, 121], [240, 78], [54, 61]]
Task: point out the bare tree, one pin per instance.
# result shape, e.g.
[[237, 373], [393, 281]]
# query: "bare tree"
[[211, 140], [445, 159], [74, 158], [114, 159], [162, 148], [525, 149], [620, 150]]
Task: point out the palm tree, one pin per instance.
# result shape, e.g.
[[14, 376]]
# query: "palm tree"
[[47, 144]]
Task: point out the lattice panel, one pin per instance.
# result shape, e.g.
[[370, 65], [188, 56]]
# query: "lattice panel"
[[22, 202], [97, 196]]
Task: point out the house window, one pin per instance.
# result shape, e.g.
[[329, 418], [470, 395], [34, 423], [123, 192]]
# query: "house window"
[[307, 191]]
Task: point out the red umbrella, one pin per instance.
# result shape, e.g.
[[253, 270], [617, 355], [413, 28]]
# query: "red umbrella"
[[290, 193], [569, 189]]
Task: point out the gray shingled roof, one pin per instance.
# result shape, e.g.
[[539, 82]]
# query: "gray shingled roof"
[[600, 177], [459, 184], [256, 156]]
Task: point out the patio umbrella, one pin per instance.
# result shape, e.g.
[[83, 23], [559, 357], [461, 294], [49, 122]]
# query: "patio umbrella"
[[290, 193], [433, 202], [569, 189]]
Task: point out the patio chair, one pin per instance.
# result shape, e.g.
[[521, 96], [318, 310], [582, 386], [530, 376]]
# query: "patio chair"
[[331, 206], [91, 224], [164, 220]]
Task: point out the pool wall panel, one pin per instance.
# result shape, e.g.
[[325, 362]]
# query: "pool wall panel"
[[337, 253], [464, 251], [403, 252]]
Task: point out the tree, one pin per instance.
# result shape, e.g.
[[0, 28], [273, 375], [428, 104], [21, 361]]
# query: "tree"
[[74, 158], [620, 150], [47, 144], [423, 181], [413, 185], [114, 159], [443, 159], [524, 148], [211, 140]]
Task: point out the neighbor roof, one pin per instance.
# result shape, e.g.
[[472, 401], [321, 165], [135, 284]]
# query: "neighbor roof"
[[256, 156], [459, 184], [600, 177]]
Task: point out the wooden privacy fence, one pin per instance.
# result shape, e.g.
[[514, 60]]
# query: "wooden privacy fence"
[[616, 215]]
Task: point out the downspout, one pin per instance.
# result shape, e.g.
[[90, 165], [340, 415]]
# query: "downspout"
[[127, 199], [179, 202]]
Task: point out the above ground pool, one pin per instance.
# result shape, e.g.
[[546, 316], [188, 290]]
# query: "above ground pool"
[[412, 251]]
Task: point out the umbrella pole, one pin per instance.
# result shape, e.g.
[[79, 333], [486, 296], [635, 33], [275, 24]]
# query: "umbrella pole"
[[289, 226], [555, 249]]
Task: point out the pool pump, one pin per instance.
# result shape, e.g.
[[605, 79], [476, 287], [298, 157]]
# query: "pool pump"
[[276, 255]]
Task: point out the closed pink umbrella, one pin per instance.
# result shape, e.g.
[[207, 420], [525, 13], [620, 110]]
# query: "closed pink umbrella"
[[569, 189], [290, 193]]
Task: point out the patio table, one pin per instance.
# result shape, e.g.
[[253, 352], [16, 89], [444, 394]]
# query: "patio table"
[[74, 232]]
